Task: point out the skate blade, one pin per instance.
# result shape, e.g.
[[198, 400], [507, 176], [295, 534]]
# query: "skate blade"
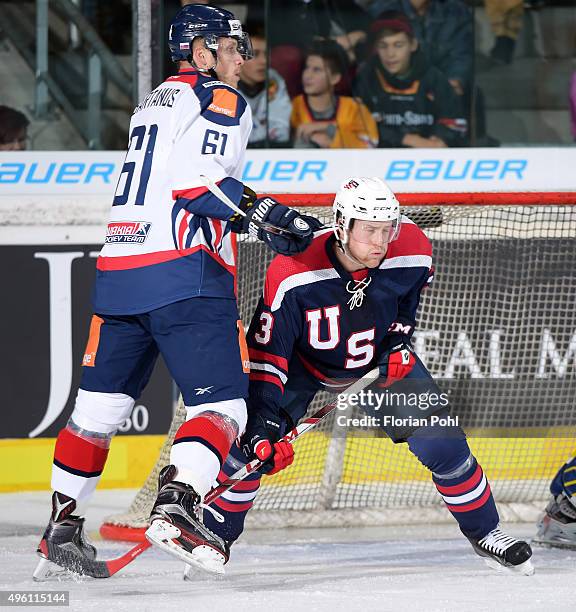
[[192, 573], [524, 569], [162, 534], [541, 542], [47, 570]]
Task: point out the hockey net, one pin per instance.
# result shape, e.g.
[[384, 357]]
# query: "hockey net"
[[497, 330]]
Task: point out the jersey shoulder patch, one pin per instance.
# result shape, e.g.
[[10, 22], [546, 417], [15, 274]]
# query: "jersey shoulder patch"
[[220, 103]]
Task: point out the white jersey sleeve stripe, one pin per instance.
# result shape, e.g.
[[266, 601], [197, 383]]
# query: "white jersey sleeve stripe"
[[298, 280]]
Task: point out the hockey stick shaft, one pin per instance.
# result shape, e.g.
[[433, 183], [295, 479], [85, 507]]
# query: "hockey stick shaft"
[[267, 227], [303, 427], [112, 566]]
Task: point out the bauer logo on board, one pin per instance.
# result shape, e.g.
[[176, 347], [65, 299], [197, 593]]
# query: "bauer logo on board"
[[127, 231]]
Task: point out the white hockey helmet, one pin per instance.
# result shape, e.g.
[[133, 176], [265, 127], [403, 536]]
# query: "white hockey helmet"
[[365, 199]]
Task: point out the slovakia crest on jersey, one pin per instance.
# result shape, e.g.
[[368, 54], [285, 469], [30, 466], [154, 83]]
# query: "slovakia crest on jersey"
[[127, 231]]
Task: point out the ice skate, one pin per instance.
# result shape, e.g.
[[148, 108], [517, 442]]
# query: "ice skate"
[[557, 526], [504, 553], [176, 528], [64, 547]]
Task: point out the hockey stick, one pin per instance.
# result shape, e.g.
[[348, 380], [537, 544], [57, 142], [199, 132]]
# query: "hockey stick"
[[267, 227], [105, 569], [292, 435]]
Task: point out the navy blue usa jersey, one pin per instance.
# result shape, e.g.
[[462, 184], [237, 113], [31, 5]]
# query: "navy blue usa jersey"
[[332, 322]]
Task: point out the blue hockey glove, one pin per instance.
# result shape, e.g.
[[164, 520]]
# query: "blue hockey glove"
[[301, 227]]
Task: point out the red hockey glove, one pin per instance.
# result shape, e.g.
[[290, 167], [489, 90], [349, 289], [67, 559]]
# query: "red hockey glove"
[[396, 363], [280, 454]]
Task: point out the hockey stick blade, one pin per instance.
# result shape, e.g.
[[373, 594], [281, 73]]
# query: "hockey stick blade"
[[267, 227], [105, 569], [84, 566]]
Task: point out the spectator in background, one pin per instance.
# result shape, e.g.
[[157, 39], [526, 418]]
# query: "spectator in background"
[[445, 33], [413, 102], [268, 97], [322, 119], [297, 24], [13, 130], [573, 105], [505, 18]]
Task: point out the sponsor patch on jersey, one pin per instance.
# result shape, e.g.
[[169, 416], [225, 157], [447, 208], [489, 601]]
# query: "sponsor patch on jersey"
[[224, 102], [184, 45], [127, 231]]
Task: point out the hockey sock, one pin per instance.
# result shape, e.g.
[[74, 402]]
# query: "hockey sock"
[[458, 478], [466, 493], [235, 503], [79, 459], [200, 447]]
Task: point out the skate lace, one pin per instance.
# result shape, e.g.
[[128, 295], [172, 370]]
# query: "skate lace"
[[497, 541], [357, 290], [213, 512]]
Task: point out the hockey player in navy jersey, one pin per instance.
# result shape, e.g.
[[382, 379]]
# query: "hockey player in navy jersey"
[[329, 316], [165, 285], [557, 526]]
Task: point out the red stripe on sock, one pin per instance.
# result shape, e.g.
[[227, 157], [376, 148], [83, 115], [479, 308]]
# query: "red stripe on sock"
[[79, 453], [228, 507], [246, 486], [205, 429], [463, 487], [473, 505]]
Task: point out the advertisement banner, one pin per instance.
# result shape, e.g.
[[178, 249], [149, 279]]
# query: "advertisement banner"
[[46, 310], [95, 173]]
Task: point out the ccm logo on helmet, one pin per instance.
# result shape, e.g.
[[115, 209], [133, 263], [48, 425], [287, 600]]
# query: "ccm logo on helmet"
[[351, 185]]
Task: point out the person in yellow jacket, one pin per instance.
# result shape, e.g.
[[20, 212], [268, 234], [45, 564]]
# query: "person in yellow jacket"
[[322, 119]]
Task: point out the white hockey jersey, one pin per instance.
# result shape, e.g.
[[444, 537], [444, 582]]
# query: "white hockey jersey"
[[168, 238]]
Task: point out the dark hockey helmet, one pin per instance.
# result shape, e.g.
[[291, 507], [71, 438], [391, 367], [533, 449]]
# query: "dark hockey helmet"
[[208, 22]]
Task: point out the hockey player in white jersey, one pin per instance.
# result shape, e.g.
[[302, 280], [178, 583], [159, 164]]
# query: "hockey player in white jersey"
[[166, 285]]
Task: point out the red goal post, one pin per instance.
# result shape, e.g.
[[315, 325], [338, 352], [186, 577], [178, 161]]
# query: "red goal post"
[[494, 198]]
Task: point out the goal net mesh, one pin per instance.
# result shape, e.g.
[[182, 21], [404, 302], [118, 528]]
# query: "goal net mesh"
[[497, 329]]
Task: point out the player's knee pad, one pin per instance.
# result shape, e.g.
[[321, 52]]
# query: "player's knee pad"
[[231, 410], [101, 412], [443, 451]]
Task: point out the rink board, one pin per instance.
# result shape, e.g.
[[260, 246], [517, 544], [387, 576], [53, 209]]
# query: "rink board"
[[26, 464]]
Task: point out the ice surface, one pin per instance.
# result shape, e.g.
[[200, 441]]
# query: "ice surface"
[[400, 568]]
